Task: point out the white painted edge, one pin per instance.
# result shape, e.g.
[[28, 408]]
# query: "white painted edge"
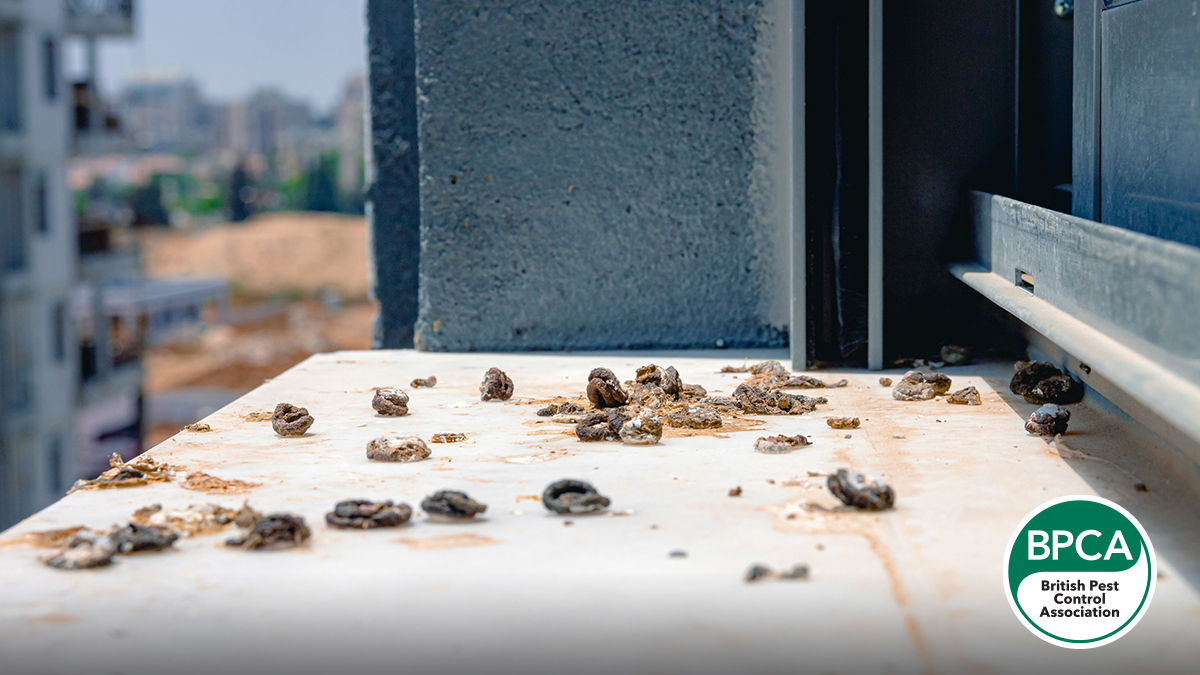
[[875, 188], [798, 329]]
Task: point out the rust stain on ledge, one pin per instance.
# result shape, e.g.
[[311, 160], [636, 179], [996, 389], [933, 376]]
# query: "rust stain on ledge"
[[57, 619], [815, 517], [448, 541], [44, 539], [201, 482], [536, 458]]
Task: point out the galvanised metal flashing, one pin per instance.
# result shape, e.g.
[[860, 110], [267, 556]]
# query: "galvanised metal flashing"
[[1140, 284], [1122, 305]]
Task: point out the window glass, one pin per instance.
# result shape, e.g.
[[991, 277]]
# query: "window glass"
[[10, 89], [50, 68], [42, 203], [16, 357], [59, 330], [54, 465], [12, 227]]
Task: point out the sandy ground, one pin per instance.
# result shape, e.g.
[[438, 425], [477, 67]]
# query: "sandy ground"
[[272, 253], [322, 250], [241, 357]]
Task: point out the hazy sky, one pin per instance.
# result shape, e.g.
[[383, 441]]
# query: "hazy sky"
[[307, 48]]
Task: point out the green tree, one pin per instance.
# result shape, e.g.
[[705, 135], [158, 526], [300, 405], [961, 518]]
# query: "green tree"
[[240, 193], [320, 184]]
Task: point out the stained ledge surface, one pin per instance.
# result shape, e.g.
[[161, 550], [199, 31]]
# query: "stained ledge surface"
[[916, 589]]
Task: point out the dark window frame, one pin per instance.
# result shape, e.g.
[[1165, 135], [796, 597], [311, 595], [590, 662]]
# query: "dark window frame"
[[11, 118], [16, 359], [55, 464], [41, 201], [50, 68], [58, 329], [14, 253]]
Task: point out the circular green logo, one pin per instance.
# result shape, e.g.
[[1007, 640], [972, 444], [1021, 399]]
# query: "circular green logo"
[[1079, 572]]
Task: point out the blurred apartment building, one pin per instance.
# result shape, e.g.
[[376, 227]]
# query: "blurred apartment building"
[[163, 112], [39, 359], [166, 112], [75, 309], [350, 122]]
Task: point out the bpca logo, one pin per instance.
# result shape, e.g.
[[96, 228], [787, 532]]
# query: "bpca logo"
[[1080, 572]]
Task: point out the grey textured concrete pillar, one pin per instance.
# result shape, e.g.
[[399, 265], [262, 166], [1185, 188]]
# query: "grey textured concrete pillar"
[[393, 206], [595, 175]]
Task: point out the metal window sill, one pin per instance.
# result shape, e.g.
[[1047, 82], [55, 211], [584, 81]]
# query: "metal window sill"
[[1116, 370]]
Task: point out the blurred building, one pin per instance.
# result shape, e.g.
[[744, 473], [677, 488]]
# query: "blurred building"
[[75, 309], [108, 379], [350, 122], [268, 123], [162, 115], [118, 312], [97, 129], [298, 149], [166, 112], [38, 251]]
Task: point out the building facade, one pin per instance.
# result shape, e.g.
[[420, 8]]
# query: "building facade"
[[350, 121], [168, 112], [40, 360]]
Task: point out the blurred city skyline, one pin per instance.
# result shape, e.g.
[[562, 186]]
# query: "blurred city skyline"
[[217, 121], [233, 48]]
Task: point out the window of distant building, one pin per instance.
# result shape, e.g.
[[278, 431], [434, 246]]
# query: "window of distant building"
[[42, 203], [58, 329], [54, 465], [16, 358], [12, 225], [10, 80], [50, 68]]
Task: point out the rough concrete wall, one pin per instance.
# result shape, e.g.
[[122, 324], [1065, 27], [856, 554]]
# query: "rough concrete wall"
[[600, 175], [393, 202]]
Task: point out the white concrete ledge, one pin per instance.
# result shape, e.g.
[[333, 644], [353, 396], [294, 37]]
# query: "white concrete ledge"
[[913, 590]]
